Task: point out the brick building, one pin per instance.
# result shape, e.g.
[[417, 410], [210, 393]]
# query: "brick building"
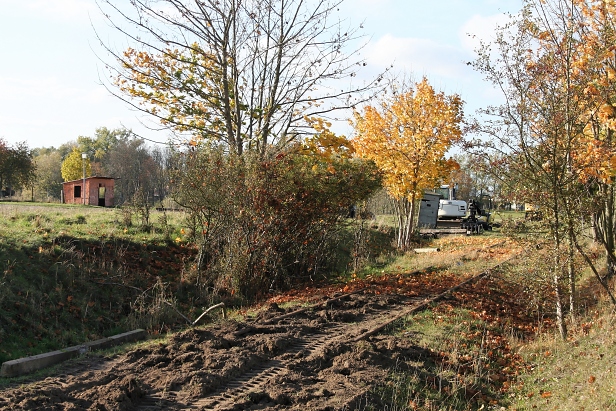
[[98, 191]]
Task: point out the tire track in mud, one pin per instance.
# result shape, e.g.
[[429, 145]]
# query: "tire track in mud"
[[262, 374], [416, 304], [256, 379], [307, 358]]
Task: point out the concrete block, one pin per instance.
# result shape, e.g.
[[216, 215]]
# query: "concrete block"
[[27, 365], [118, 339], [131, 336]]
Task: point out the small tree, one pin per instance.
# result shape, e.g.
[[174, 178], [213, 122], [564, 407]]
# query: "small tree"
[[72, 166], [101, 145], [407, 137]]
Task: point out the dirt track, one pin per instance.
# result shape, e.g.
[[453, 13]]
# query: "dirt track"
[[311, 360], [306, 361]]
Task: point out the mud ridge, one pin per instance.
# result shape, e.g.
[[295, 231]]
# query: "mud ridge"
[[319, 358]]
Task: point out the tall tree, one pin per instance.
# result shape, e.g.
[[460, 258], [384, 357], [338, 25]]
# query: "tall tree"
[[131, 162], [245, 73], [16, 166], [597, 158], [49, 174], [99, 147], [407, 137], [163, 159], [540, 63]]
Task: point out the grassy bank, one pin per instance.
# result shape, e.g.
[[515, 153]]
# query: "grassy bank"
[[69, 274]]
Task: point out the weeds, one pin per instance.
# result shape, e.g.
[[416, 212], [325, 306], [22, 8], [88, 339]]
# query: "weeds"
[[570, 375], [152, 308], [66, 275]]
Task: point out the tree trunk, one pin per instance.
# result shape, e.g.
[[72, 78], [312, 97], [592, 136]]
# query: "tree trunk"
[[556, 266], [571, 274], [409, 223], [402, 223], [560, 318], [607, 229]]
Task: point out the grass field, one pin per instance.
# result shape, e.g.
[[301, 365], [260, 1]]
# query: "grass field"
[[69, 274]]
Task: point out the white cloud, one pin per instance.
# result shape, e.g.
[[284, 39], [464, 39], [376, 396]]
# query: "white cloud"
[[480, 28], [420, 56]]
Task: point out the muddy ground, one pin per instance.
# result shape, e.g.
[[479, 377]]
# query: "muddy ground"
[[329, 372], [311, 360]]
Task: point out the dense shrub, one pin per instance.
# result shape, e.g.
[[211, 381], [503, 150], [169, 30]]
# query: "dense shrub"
[[263, 223]]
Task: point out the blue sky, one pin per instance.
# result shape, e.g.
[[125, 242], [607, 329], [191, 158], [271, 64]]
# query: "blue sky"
[[50, 75]]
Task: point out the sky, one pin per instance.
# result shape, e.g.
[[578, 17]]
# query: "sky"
[[52, 67]]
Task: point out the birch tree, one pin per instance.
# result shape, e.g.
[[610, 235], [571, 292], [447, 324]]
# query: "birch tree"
[[541, 130]]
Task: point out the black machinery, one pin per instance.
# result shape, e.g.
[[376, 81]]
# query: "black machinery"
[[478, 219]]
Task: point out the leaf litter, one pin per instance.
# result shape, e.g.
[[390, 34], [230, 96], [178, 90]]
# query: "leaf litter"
[[197, 363]]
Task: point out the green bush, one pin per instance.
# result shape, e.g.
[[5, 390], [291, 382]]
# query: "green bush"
[[263, 223]]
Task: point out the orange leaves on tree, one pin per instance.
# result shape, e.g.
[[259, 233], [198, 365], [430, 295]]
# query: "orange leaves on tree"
[[407, 137], [594, 154], [324, 143]]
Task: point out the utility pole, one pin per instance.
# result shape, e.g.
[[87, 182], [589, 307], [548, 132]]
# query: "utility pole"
[[83, 191]]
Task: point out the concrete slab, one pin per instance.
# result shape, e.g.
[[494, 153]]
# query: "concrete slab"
[[27, 365]]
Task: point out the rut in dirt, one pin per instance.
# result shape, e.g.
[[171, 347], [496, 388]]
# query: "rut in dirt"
[[326, 357], [307, 359]]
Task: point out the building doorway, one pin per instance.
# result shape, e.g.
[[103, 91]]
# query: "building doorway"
[[101, 195]]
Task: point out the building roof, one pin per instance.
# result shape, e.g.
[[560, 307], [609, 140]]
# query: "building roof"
[[90, 178]]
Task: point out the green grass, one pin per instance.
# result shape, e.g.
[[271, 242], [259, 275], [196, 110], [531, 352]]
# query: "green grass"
[[68, 274], [452, 369], [73, 273], [364, 247], [498, 216], [571, 375]]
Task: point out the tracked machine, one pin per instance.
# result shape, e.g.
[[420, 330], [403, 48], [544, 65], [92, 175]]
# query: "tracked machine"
[[453, 217]]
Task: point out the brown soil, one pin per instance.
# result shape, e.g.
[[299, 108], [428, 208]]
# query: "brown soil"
[[308, 361], [329, 372]]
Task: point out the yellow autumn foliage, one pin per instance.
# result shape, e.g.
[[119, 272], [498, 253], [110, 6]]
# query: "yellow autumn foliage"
[[325, 143], [154, 78], [72, 166], [408, 135]]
